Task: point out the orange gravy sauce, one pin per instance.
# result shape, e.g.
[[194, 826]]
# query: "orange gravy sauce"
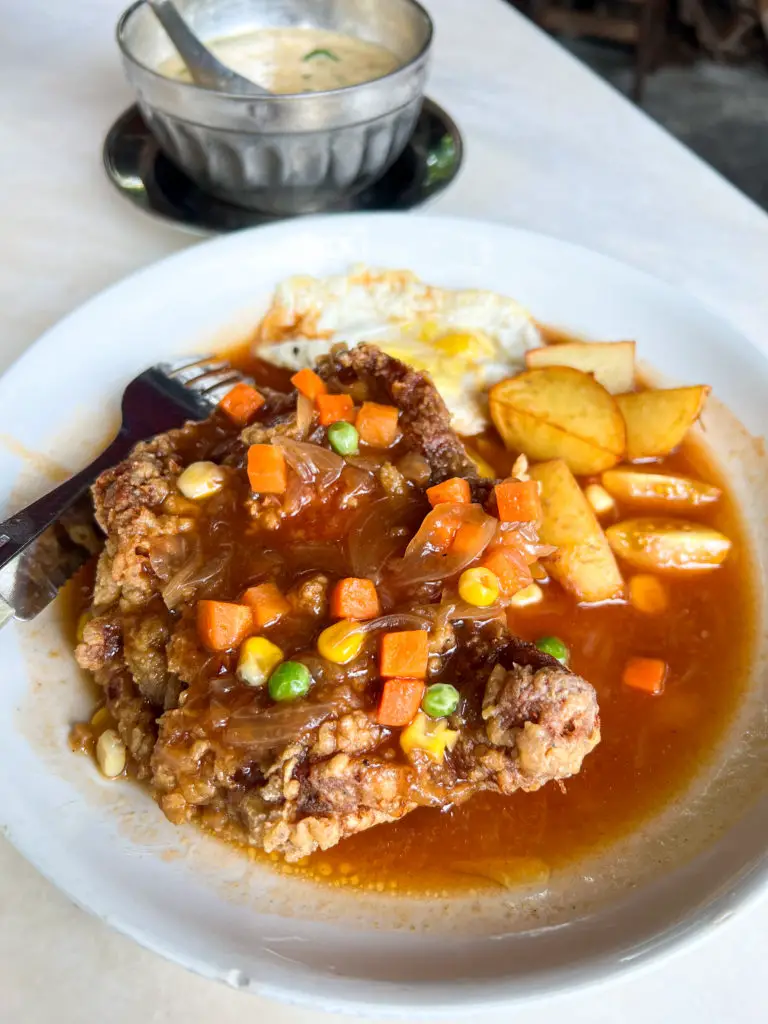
[[651, 749]]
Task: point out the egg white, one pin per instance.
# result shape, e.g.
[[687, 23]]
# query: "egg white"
[[465, 340]]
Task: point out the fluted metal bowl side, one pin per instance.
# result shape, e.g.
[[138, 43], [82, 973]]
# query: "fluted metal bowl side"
[[288, 153]]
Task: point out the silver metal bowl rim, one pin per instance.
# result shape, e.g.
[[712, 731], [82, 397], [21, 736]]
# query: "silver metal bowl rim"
[[272, 97], [208, 231]]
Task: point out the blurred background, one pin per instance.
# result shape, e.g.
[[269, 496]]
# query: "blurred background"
[[699, 67]]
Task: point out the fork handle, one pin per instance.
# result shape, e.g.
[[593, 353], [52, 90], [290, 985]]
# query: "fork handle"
[[17, 532]]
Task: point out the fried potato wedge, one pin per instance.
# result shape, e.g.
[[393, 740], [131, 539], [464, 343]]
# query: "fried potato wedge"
[[668, 545], [657, 421], [584, 563], [557, 412], [612, 363], [659, 490]]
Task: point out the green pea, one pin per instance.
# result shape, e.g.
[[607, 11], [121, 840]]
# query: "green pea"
[[289, 681], [440, 700], [343, 438], [554, 645]]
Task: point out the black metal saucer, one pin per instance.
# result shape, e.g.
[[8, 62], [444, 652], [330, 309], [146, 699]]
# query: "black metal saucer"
[[148, 179]]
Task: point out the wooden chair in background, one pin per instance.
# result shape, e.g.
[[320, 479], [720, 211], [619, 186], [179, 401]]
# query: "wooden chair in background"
[[637, 23]]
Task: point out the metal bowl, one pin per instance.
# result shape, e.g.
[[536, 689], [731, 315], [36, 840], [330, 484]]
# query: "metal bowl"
[[289, 153]]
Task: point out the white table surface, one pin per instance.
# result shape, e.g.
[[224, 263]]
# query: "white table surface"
[[549, 147]]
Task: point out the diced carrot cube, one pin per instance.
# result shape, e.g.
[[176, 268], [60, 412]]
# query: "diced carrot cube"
[[404, 654], [648, 594], [266, 603], [355, 598], [309, 384], [241, 403], [221, 625], [455, 491], [377, 424], [646, 674], [266, 469], [518, 501], [332, 408], [508, 564], [462, 529], [399, 702]]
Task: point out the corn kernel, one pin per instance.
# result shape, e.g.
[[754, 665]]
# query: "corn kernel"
[[527, 596], [599, 499], [479, 586], [429, 736], [110, 754], [648, 594], [100, 718], [341, 642], [201, 480], [258, 659], [82, 622]]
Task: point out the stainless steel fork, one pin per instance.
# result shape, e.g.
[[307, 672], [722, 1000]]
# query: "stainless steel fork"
[[36, 557]]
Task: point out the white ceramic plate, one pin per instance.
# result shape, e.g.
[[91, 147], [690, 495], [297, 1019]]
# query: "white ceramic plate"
[[108, 846]]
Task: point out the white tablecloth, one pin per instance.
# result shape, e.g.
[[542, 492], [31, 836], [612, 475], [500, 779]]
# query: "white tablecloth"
[[549, 147]]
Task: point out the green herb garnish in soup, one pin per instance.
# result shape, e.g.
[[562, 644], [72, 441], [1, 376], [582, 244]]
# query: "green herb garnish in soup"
[[321, 53]]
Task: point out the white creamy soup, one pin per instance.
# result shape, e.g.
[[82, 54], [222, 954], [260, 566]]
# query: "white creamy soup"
[[291, 60]]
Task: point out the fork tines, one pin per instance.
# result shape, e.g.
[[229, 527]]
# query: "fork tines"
[[205, 375]]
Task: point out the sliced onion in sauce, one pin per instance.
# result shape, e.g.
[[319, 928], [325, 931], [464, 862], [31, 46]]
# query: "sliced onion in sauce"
[[196, 575], [461, 611], [346, 683], [220, 686], [298, 494], [379, 532], [203, 675], [524, 537], [305, 414], [218, 714], [424, 561], [324, 557], [397, 620], [262, 731], [453, 609], [257, 565], [368, 463], [356, 484], [168, 553], [310, 461]]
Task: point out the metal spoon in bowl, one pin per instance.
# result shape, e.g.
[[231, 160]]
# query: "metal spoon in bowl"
[[204, 68]]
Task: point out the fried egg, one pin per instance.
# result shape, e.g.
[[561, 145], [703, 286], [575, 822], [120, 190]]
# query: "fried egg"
[[465, 340]]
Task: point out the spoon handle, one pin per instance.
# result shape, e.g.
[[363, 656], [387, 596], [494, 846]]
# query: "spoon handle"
[[204, 68]]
